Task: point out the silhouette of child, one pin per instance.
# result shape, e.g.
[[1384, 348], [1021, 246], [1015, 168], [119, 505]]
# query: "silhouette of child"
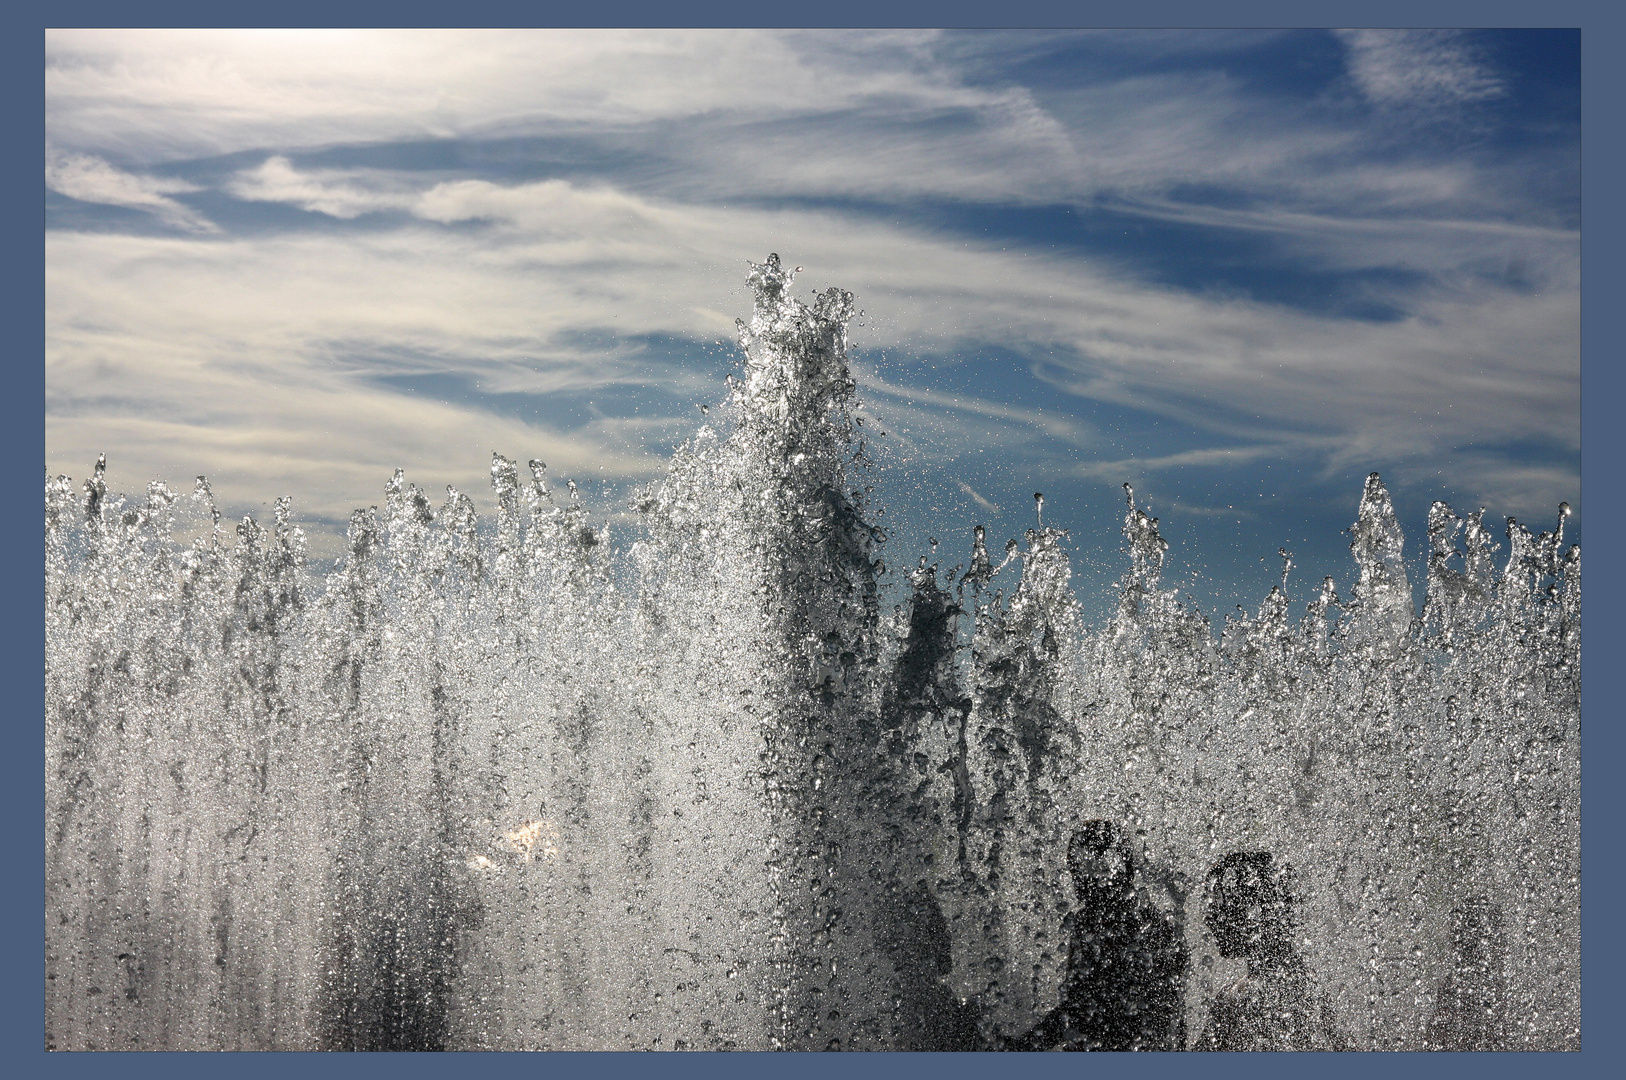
[[1250, 913], [929, 1016], [1126, 961]]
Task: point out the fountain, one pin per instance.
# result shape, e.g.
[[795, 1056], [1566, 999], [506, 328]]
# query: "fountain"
[[517, 785]]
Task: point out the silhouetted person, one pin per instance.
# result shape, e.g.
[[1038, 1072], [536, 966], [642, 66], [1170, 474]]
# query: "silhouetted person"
[[916, 934], [1470, 1010], [1126, 961], [1250, 913]]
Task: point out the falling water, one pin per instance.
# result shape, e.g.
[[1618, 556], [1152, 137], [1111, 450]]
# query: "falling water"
[[514, 785]]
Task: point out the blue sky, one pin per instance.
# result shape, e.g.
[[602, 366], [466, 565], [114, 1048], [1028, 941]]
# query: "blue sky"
[[1238, 269]]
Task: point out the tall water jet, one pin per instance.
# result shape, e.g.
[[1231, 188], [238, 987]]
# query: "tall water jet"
[[525, 784]]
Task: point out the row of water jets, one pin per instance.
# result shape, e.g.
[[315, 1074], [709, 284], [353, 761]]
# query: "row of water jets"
[[509, 785]]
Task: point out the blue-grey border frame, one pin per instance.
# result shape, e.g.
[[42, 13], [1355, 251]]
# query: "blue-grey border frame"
[[21, 551]]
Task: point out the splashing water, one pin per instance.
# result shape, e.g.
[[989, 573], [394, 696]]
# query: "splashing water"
[[513, 786]]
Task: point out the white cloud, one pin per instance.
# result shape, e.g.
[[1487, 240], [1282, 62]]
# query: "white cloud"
[[275, 342], [1065, 429], [178, 93], [976, 498], [332, 192], [1530, 492], [1219, 457], [1418, 69], [724, 115], [263, 356], [91, 179], [1425, 244]]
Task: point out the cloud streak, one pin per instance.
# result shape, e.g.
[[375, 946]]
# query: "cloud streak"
[[757, 114], [90, 179], [178, 93], [336, 193], [409, 249], [1425, 70], [555, 261]]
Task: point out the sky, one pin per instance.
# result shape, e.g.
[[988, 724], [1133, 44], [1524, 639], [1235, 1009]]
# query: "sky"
[[1239, 270]]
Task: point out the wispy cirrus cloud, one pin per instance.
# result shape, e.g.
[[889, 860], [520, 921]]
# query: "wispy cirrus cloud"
[[1217, 457], [555, 262], [176, 93], [1194, 258], [1419, 69], [90, 179], [336, 193], [761, 114]]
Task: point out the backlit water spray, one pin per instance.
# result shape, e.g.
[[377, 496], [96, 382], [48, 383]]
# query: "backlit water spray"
[[522, 784]]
